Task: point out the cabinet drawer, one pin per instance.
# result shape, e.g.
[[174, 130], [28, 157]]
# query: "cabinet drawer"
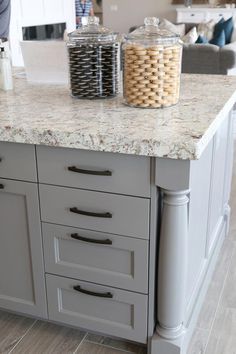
[[218, 15], [97, 308], [105, 212], [191, 17], [116, 261], [108, 172], [18, 162]]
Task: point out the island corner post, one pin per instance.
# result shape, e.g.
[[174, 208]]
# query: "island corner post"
[[194, 222]]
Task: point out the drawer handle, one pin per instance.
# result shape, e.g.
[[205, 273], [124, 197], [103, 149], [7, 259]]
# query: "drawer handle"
[[91, 240], [88, 213], [89, 172], [1, 186], [92, 293], [192, 14]]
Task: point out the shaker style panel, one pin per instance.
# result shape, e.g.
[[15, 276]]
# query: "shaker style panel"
[[22, 283], [108, 172], [97, 257], [97, 211], [97, 308], [17, 161], [217, 184]]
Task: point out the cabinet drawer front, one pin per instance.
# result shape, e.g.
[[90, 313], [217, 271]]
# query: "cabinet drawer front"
[[118, 261], [119, 313], [107, 212], [115, 173], [218, 15], [192, 17], [17, 161]]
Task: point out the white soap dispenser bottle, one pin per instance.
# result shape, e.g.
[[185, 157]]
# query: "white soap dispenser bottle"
[[6, 82]]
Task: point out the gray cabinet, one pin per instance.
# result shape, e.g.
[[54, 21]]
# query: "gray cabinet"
[[95, 220], [95, 211], [216, 213], [22, 285]]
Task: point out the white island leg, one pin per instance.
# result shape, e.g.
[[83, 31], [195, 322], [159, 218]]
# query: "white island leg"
[[172, 273]]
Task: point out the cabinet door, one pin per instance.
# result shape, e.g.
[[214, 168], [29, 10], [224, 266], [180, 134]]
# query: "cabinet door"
[[22, 285]]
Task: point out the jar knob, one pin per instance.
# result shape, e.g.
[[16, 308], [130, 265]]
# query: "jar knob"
[[151, 21], [90, 20]]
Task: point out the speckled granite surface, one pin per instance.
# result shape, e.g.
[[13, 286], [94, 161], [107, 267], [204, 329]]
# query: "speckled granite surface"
[[44, 114]]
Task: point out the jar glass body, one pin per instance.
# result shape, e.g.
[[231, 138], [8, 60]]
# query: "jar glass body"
[[151, 72], [94, 63]]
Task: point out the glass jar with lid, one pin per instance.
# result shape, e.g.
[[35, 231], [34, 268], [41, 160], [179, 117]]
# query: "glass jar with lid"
[[151, 66], [94, 57]]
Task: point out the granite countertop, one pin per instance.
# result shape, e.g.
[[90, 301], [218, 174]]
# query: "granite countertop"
[[47, 115]]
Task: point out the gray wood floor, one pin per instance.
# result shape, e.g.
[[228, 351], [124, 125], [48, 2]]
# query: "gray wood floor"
[[215, 332]]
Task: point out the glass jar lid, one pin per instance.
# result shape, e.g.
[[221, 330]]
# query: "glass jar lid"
[[91, 31], [151, 32]]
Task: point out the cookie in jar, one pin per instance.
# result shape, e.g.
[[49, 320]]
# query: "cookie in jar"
[[151, 66]]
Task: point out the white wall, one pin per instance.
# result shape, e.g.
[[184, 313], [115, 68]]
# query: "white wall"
[[120, 15], [37, 12]]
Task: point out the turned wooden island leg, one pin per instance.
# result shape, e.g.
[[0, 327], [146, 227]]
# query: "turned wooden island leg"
[[172, 270], [172, 273]]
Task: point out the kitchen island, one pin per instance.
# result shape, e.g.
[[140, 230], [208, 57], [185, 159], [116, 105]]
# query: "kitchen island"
[[112, 217]]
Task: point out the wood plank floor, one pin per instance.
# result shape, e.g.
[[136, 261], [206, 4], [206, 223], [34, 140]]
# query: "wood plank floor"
[[215, 332]]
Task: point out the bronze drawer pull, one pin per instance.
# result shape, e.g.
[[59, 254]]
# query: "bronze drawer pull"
[[92, 293], [1, 186], [91, 240], [88, 213], [89, 172]]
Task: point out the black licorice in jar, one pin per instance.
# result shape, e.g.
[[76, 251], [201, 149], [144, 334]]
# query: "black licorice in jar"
[[94, 60]]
